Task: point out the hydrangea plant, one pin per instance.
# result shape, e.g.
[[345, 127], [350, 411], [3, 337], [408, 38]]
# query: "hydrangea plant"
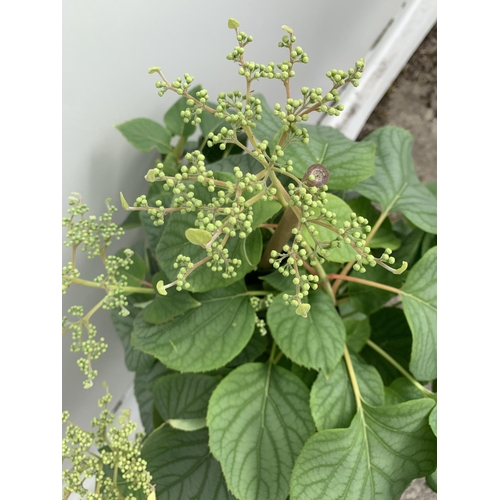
[[280, 313]]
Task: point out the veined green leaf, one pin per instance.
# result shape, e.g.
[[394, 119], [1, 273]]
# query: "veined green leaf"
[[145, 134], [246, 163], [419, 297], [163, 308], [143, 391], [342, 210], [314, 342], [259, 419], [182, 466], [376, 458], [348, 162], [395, 184], [332, 399], [257, 345], [184, 395], [204, 338]]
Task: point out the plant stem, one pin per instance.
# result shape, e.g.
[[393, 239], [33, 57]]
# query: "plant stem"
[[352, 376], [126, 289], [340, 277], [396, 365]]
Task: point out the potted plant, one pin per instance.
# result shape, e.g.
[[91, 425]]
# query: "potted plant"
[[280, 313]]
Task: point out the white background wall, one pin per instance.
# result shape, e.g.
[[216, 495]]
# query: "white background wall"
[[108, 46]]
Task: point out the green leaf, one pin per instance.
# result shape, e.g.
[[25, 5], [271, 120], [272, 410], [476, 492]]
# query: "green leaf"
[[348, 162], [385, 236], [263, 211], [135, 360], [173, 242], [314, 342], [173, 119], [279, 282], [132, 221], [332, 399], [433, 420], [184, 395], [163, 308], [259, 419], [342, 210], [307, 375], [358, 330], [187, 424], [204, 338], [376, 458], [257, 345], [432, 481], [246, 163], [390, 331], [145, 134], [182, 466], [143, 391], [395, 184], [419, 297], [405, 389]]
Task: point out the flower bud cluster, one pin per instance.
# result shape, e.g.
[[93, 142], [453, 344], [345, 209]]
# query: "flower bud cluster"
[[234, 108], [118, 449], [353, 75], [290, 119], [309, 199], [237, 54], [69, 273], [178, 85], [192, 114], [221, 262], [92, 233]]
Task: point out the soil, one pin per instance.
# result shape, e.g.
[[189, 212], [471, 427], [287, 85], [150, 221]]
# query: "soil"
[[411, 103]]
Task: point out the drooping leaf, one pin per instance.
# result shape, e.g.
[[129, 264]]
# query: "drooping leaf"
[[358, 330], [390, 331], [204, 338], [385, 236], [332, 399], [145, 134], [173, 119], [314, 342], [395, 184], [182, 466], [376, 458], [348, 162], [184, 395], [143, 391], [259, 419], [419, 297]]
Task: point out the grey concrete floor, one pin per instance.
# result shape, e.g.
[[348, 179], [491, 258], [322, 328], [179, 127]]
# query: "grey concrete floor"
[[411, 103]]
